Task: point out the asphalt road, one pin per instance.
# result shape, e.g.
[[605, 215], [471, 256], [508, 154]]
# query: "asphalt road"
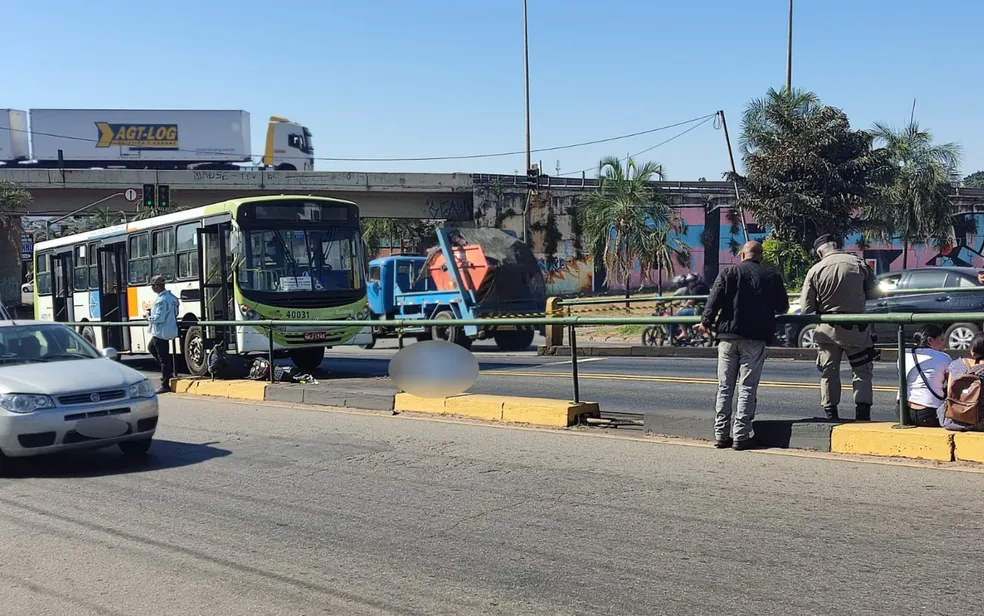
[[640, 384], [626, 385], [245, 509]]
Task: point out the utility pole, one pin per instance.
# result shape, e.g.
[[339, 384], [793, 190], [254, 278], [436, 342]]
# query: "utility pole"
[[734, 173], [526, 62], [789, 50], [529, 163]]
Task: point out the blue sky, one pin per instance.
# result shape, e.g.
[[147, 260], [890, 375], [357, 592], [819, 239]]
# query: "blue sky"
[[396, 78]]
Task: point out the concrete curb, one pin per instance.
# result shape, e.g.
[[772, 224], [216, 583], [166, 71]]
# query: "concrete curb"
[[505, 409], [968, 446], [887, 355], [884, 439]]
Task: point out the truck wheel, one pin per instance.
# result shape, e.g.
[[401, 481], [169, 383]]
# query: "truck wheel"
[[308, 359], [450, 333], [196, 358], [513, 341]]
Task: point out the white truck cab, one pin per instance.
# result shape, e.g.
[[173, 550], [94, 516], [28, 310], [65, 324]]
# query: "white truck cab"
[[288, 146]]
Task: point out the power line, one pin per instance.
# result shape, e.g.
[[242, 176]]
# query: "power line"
[[417, 158], [706, 119]]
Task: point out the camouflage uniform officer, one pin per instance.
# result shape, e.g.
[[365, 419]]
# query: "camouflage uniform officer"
[[840, 283]]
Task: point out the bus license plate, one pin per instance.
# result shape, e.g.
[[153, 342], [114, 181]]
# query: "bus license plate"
[[315, 336]]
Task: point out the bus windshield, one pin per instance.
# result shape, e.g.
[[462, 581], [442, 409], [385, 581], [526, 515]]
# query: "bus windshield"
[[301, 260]]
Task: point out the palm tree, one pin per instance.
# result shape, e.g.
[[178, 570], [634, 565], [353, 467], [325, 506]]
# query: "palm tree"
[[626, 219], [917, 206], [664, 251], [806, 171]]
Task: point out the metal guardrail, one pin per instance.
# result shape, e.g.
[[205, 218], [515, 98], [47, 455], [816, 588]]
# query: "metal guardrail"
[[573, 322], [611, 299]]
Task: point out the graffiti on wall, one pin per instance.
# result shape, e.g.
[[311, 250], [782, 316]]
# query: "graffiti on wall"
[[565, 274]]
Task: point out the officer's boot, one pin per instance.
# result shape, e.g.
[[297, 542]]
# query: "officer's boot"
[[862, 412], [831, 412]]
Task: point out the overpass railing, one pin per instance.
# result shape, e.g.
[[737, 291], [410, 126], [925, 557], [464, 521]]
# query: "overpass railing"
[[573, 322], [612, 299]]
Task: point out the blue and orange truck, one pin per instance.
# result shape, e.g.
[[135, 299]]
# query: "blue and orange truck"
[[470, 274]]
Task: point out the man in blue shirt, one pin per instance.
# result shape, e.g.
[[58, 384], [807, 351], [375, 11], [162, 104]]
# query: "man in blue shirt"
[[163, 319]]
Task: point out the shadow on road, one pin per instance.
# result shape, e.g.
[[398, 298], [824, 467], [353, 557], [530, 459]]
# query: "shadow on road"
[[109, 461]]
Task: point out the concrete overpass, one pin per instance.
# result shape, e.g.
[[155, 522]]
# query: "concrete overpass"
[[457, 197], [389, 195]]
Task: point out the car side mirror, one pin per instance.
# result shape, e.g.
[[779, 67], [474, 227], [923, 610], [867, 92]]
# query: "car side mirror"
[[110, 353]]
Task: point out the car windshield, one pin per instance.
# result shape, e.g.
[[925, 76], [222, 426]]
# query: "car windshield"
[[287, 261], [24, 344]]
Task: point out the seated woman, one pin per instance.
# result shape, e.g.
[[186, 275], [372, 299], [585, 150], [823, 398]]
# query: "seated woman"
[[926, 368], [958, 368]]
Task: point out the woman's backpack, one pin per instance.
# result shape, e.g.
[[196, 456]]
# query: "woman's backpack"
[[965, 401]]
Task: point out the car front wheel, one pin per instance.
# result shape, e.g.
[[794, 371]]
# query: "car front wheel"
[[959, 336], [806, 338]]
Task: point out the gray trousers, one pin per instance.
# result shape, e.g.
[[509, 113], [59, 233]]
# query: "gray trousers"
[[739, 365]]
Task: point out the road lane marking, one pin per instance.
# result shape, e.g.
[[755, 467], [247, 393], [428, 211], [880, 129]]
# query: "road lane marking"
[[681, 380], [580, 361]]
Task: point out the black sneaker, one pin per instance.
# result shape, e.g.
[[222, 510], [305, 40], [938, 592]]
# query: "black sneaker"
[[831, 413], [724, 444], [163, 389], [744, 445]]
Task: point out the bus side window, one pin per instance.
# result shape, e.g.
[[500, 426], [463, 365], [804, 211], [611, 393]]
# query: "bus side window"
[[139, 260], [374, 273], [93, 256], [42, 274], [162, 254], [81, 268], [186, 245]]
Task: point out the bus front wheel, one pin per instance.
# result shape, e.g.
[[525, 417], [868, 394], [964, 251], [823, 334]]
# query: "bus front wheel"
[[196, 359], [308, 359]]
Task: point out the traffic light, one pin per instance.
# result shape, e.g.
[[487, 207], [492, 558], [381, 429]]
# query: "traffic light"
[[532, 177], [163, 196], [149, 196]]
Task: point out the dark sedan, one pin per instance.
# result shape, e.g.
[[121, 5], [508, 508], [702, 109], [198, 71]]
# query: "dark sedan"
[[958, 335]]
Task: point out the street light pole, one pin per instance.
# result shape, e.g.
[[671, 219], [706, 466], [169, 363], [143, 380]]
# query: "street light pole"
[[526, 62], [789, 50]]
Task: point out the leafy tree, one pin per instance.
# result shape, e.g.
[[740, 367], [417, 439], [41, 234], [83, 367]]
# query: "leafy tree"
[[807, 172], [664, 250], [790, 259], [398, 231], [626, 219], [974, 180], [916, 206], [12, 199]]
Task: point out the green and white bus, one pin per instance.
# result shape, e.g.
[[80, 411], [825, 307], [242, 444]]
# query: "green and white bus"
[[286, 257]]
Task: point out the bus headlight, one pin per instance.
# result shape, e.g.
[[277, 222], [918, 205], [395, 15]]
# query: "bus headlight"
[[249, 313]]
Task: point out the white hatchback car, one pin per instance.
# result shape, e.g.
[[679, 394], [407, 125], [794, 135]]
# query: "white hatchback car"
[[58, 393]]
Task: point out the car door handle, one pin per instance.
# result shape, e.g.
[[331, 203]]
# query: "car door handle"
[[882, 304], [943, 298]]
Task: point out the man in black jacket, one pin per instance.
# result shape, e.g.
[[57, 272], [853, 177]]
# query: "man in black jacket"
[[744, 302]]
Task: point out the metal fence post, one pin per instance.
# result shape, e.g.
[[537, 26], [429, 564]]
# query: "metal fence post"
[[571, 333], [903, 381], [270, 349]]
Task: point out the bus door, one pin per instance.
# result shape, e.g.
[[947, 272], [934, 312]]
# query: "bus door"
[[112, 295], [217, 296], [62, 287]]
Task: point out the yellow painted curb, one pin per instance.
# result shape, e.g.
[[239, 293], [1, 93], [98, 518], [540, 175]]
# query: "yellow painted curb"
[[882, 439], [508, 409], [240, 389], [968, 446]]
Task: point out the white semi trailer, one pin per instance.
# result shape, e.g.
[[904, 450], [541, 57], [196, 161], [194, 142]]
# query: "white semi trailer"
[[147, 139]]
